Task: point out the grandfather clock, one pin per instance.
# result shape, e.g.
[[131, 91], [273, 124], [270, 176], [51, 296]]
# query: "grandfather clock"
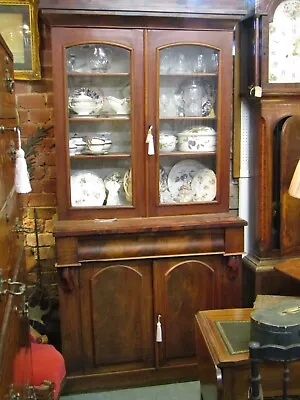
[[270, 85]]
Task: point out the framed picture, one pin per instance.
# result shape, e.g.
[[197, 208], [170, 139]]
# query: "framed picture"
[[19, 29]]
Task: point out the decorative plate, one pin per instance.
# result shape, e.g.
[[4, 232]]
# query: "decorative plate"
[[204, 185], [87, 189], [127, 185], [181, 174]]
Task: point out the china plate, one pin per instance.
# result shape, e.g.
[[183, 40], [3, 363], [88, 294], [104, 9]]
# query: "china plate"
[[87, 189], [181, 174], [127, 185], [204, 185]]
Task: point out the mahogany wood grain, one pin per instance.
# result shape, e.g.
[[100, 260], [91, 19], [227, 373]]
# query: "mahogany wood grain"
[[121, 266], [272, 112], [154, 224], [181, 288], [116, 309], [154, 6], [290, 268]]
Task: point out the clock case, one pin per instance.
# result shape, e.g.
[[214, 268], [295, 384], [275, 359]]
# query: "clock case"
[[274, 137], [254, 36]]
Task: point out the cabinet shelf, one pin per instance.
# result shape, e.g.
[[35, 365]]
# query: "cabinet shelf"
[[83, 74], [100, 118], [187, 154], [190, 74], [187, 118], [91, 156]]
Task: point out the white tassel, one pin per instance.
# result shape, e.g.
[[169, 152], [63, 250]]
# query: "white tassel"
[[158, 330], [22, 181]]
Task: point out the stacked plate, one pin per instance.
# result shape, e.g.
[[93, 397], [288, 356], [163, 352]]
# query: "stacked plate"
[[189, 180]]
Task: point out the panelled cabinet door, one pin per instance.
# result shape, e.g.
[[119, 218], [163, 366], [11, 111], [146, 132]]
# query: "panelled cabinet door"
[[99, 97], [280, 69], [189, 100], [116, 309], [182, 287]]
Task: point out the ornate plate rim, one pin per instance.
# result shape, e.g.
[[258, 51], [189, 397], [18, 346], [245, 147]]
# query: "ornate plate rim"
[[197, 165], [101, 190]]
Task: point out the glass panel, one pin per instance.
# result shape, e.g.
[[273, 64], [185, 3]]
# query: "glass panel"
[[188, 126], [99, 125], [284, 43]]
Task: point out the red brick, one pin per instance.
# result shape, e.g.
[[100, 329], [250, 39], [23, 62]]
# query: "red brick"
[[40, 116], [51, 163], [42, 86], [21, 88], [51, 171], [28, 129], [49, 99], [42, 199], [49, 186], [39, 173], [23, 115], [31, 101], [47, 72], [46, 57]]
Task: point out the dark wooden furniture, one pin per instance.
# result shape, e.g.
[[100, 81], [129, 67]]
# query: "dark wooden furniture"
[[272, 101], [289, 268], [118, 277], [275, 353], [228, 371], [13, 325], [126, 265]]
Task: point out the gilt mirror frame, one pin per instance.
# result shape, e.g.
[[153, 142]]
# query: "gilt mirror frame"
[[19, 29]]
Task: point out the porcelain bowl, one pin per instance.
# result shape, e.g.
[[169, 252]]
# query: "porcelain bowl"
[[167, 142], [84, 105], [119, 106], [96, 148], [200, 139]]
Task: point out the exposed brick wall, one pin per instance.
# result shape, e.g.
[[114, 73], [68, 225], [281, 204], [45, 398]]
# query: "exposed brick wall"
[[35, 109]]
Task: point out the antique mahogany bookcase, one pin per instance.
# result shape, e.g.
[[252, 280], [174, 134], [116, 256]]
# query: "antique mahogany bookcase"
[[139, 241]]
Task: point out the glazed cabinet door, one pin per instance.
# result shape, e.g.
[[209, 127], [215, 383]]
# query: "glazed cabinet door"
[[189, 98], [99, 97], [182, 287], [116, 310]]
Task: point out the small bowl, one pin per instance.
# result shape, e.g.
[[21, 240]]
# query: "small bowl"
[[96, 148], [94, 141], [167, 142]]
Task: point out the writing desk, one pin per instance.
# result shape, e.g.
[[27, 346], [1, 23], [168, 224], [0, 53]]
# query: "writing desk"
[[223, 357]]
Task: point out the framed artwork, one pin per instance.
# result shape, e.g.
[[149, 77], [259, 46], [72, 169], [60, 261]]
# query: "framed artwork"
[[19, 29]]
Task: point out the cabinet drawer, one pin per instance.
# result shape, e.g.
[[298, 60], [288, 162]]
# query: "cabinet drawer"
[[151, 245]]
